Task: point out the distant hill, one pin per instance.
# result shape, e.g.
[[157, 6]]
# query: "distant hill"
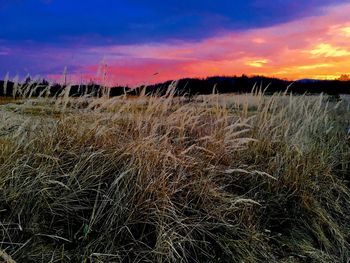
[[193, 86], [310, 80]]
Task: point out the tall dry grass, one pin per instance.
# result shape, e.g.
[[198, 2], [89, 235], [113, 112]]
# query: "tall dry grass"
[[161, 179]]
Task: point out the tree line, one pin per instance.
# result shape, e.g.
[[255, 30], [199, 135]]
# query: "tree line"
[[183, 87]]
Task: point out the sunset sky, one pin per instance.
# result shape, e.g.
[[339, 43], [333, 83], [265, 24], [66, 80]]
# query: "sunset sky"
[[140, 42]]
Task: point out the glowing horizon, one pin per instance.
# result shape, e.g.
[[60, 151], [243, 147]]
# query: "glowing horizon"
[[313, 46]]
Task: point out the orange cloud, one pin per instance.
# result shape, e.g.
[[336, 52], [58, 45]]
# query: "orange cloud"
[[315, 66]]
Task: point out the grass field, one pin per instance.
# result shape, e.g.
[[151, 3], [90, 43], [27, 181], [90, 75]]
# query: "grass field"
[[235, 178]]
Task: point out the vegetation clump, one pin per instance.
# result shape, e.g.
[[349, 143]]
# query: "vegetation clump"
[[251, 178]]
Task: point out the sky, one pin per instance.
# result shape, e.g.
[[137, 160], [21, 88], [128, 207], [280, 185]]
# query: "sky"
[[138, 42]]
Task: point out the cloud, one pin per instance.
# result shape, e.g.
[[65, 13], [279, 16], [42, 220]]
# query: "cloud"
[[327, 50], [346, 31], [257, 63], [311, 47], [315, 66], [4, 51], [138, 21]]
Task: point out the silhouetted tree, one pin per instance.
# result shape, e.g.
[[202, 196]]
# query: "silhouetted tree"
[[344, 77]]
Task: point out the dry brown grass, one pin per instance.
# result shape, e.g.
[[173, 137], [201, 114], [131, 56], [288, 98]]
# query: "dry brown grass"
[[162, 180]]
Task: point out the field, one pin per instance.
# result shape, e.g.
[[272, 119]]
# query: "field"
[[234, 178]]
